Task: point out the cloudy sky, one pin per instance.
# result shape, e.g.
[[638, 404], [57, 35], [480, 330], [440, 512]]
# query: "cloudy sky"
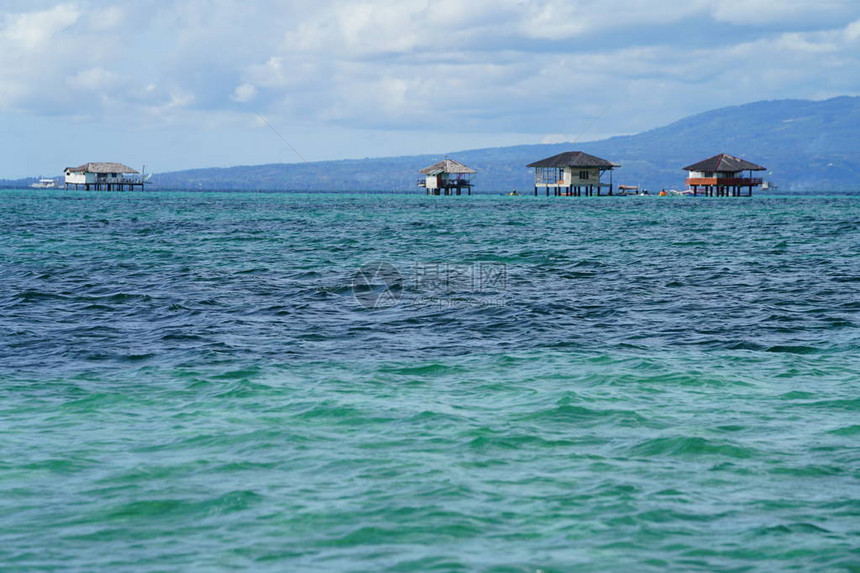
[[180, 84]]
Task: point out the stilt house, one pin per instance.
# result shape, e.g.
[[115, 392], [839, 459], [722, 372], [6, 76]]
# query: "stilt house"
[[573, 173], [448, 177], [103, 177], [722, 176]]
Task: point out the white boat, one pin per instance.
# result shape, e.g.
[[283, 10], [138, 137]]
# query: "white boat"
[[768, 186], [631, 191], [46, 184]]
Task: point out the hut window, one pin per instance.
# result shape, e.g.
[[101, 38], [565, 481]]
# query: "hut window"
[[583, 174], [548, 175]]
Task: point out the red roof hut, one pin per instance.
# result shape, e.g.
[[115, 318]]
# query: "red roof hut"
[[722, 176]]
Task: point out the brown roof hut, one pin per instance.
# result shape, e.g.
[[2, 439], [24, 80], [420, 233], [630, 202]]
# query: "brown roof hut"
[[448, 177], [103, 176], [572, 173], [722, 176]]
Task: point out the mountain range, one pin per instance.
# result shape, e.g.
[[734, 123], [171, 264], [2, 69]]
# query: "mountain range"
[[805, 145]]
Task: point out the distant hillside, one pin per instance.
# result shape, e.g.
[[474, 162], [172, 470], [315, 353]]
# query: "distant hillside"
[[806, 145]]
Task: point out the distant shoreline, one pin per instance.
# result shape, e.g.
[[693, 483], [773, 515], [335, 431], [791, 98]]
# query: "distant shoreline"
[[484, 193]]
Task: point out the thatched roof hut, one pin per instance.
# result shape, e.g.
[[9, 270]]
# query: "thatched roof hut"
[[447, 166], [448, 177], [102, 168], [103, 176]]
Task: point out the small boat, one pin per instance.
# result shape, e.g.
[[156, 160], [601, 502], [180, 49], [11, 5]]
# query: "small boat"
[[46, 184], [513, 193], [631, 191]]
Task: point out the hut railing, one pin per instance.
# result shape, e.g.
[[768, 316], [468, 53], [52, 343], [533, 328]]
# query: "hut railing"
[[727, 181]]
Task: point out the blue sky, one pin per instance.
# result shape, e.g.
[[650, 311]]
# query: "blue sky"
[[179, 84]]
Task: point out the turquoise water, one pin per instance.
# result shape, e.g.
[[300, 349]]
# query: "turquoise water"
[[201, 382]]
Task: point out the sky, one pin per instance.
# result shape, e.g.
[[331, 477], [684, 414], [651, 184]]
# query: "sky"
[[198, 83]]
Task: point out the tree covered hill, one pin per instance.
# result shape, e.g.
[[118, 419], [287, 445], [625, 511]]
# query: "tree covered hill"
[[806, 145]]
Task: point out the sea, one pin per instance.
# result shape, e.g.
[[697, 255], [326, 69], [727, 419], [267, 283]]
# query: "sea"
[[204, 381]]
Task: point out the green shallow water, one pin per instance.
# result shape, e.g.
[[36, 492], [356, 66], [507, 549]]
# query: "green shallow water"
[[190, 384]]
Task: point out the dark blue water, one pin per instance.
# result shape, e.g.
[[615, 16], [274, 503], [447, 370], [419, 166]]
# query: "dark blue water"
[[208, 381]]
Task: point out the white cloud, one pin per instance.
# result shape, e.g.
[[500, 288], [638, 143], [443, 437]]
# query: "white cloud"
[[358, 29], [564, 19], [852, 31], [30, 31], [177, 99], [556, 138], [42, 49], [109, 18], [93, 79], [244, 93], [286, 71], [757, 12]]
